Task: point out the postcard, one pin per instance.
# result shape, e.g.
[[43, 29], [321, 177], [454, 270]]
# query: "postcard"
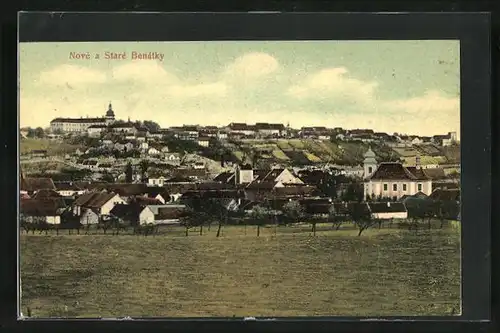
[[240, 178]]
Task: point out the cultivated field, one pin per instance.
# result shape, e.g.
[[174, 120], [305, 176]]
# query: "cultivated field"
[[284, 272]]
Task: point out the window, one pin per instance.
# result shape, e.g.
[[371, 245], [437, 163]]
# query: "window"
[[385, 187], [369, 169], [404, 187], [394, 187], [419, 187]]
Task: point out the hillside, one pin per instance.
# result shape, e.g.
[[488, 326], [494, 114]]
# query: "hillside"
[[52, 147]]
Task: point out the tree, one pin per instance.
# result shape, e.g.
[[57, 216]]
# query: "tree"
[[334, 218], [39, 132], [293, 212], [129, 173], [260, 216], [354, 192], [361, 216], [144, 165], [328, 185], [151, 125]]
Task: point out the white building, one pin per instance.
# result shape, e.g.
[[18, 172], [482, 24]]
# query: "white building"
[[393, 180], [95, 131], [79, 125]]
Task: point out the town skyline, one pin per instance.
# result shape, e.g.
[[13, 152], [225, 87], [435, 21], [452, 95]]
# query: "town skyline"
[[409, 87]]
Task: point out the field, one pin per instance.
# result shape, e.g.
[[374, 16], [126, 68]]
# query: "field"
[[284, 272], [52, 147]]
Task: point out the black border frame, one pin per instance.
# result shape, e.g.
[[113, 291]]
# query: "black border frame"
[[473, 30]]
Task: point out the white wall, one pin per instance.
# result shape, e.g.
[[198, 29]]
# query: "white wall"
[[377, 188], [387, 216], [53, 219], [108, 206], [89, 217], [286, 177], [245, 176], [146, 216]]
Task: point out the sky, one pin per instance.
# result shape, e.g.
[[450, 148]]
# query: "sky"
[[410, 87]]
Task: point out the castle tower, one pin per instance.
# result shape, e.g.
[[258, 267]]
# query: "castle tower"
[[369, 164], [110, 115]]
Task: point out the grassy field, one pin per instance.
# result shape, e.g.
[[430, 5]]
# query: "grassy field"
[[52, 147], [284, 272]]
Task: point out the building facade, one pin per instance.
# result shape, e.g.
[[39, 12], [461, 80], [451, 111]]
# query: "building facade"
[[79, 125], [393, 180]]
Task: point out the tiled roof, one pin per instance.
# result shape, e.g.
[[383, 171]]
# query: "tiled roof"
[[125, 189], [41, 207], [313, 177], [36, 184], [127, 212], [78, 120], [266, 126], [294, 190], [396, 171], [225, 177], [446, 195], [94, 199], [435, 173], [144, 201], [67, 186], [387, 207], [419, 173], [170, 213], [43, 194]]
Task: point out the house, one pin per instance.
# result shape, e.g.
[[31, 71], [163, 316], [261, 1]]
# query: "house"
[[446, 194], [241, 128], [164, 149], [144, 200], [143, 145], [317, 207], [158, 193], [204, 141], [156, 181], [68, 189], [153, 151], [266, 130], [173, 158], [445, 140], [169, 214], [388, 210], [134, 213], [127, 128], [222, 135], [188, 133], [95, 131], [101, 201], [89, 216], [30, 185], [48, 210], [199, 165], [393, 180]]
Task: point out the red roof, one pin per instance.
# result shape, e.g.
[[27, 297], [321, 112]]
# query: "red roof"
[[41, 207], [396, 171], [94, 199]]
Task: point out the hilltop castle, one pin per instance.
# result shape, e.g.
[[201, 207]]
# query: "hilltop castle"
[[81, 124]]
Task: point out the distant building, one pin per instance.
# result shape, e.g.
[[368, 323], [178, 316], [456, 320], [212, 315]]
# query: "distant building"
[[393, 180], [79, 125]]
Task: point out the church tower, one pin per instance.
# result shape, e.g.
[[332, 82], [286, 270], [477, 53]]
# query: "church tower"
[[110, 115], [369, 164]]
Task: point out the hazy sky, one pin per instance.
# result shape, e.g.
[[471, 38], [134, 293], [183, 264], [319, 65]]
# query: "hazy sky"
[[395, 86]]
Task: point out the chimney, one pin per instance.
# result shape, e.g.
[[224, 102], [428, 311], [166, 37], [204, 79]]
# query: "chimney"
[[417, 161], [388, 204]]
